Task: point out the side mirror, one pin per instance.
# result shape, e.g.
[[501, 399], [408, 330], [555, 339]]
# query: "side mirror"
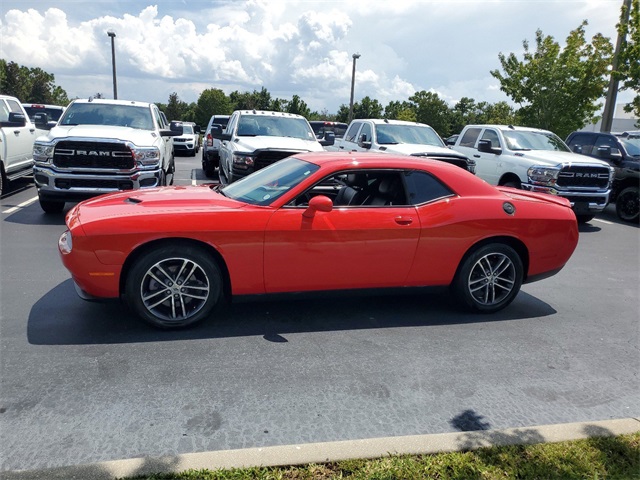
[[610, 153], [319, 203], [576, 148], [329, 139], [175, 130], [197, 129], [216, 132], [363, 142], [15, 120], [484, 146], [41, 120]]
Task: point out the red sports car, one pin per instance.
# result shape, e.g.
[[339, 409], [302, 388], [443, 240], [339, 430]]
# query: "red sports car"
[[320, 221]]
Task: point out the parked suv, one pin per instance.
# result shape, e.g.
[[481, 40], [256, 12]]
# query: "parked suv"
[[211, 146], [622, 152]]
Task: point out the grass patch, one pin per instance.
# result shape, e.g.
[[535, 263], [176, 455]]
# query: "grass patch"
[[596, 458]]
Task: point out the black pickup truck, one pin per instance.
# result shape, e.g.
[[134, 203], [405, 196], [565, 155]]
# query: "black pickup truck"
[[622, 152]]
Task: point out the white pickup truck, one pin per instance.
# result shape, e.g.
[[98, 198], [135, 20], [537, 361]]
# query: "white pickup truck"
[[254, 139], [17, 135], [102, 146], [399, 137], [539, 161]]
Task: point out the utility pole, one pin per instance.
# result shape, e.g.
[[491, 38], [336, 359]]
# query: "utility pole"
[[112, 34], [612, 92], [353, 81]]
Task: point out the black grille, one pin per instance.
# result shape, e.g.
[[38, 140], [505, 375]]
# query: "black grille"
[[102, 155], [267, 157], [581, 176], [67, 183]]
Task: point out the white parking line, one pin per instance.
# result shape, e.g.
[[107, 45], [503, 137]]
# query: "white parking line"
[[602, 221], [21, 205]]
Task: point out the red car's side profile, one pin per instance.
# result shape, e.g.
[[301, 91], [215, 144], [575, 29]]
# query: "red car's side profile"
[[323, 221]]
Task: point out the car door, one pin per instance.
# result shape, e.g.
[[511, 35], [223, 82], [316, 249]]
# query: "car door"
[[489, 165], [360, 246], [20, 139]]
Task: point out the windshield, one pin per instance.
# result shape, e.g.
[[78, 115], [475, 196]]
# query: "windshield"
[[108, 114], [529, 140], [268, 184], [390, 134], [632, 145], [274, 126], [187, 129]]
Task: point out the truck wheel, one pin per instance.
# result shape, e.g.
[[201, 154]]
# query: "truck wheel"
[[174, 286], [1, 179], [51, 206], [585, 218], [489, 278], [628, 204]]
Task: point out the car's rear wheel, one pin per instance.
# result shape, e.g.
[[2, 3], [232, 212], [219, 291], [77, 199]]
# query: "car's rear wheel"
[[584, 218], [51, 206], [489, 278], [174, 286], [628, 204]]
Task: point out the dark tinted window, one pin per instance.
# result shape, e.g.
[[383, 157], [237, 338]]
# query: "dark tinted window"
[[469, 138], [221, 121], [424, 187], [53, 112], [350, 136]]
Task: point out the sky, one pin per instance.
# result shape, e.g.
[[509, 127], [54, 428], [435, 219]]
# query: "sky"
[[302, 47]]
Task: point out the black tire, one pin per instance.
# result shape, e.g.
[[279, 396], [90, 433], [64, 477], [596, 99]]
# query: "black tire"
[[174, 286], [209, 169], [512, 184], [628, 204], [1, 179], [489, 278], [51, 206], [585, 218]]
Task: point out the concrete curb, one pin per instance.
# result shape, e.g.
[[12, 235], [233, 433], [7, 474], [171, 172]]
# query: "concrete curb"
[[332, 451]]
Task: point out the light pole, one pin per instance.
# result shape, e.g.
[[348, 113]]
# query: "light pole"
[[353, 81], [112, 34]]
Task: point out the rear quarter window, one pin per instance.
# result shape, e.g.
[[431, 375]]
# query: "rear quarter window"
[[424, 187]]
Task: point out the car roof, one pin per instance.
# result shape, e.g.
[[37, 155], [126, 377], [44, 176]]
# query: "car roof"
[[108, 101], [511, 127], [269, 113]]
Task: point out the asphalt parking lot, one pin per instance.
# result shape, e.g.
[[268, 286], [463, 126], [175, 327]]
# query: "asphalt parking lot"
[[83, 382]]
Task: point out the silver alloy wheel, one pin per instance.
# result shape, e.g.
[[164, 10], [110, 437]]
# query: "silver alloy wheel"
[[174, 289], [492, 278]]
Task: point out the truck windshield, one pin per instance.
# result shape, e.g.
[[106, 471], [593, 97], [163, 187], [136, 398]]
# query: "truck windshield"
[[108, 114], [390, 134], [269, 183], [526, 140], [274, 126], [632, 145]]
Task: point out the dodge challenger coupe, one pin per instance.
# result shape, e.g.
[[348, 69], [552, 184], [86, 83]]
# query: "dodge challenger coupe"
[[313, 222]]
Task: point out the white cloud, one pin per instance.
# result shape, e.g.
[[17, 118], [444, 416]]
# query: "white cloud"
[[287, 46]]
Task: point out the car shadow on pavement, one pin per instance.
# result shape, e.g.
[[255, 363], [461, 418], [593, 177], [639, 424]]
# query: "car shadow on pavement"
[[33, 215], [61, 318]]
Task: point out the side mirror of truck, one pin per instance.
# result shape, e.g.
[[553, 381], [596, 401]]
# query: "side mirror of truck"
[[484, 146], [328, 139], [198, 129], [15, 120], [576, 148], [41, 121], [216, 132], [363, 142], [610, 153], [175, 130]]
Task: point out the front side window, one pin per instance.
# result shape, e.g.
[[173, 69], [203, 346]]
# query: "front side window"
[[350, 136], [492, 136], [366, 131]]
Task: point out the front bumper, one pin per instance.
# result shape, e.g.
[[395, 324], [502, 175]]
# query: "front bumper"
[[581, 202], [59, 185]]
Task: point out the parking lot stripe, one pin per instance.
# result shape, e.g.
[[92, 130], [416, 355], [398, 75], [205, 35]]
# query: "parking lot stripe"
[[602, 221], [21, 205]]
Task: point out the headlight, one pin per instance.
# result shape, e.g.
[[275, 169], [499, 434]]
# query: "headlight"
[[145, 157], [42, 152], [65, 243], [543, 175], [243, 161]]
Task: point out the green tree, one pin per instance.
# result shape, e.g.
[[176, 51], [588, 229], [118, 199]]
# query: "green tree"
[[211, 101], [175, 109], [629, 56], [557, 88], [395, 109], [433, 111], [367, 108], [298, 106], [343, 113], [30, 85], [251, 101]]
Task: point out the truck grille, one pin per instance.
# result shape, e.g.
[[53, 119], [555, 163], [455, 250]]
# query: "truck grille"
[[102, 155], [267, 157], [583, 176]]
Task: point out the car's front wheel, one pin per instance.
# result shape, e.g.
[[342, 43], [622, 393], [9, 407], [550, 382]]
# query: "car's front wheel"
[[628, 204], [51, 206], [174, 286], [489, 278]]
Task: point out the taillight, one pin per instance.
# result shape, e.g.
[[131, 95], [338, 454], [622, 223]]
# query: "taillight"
[[209, 140]]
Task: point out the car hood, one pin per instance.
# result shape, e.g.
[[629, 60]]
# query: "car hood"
[[178, 200], [139, 137], [551, 158], [250, 144], [418, 148]]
